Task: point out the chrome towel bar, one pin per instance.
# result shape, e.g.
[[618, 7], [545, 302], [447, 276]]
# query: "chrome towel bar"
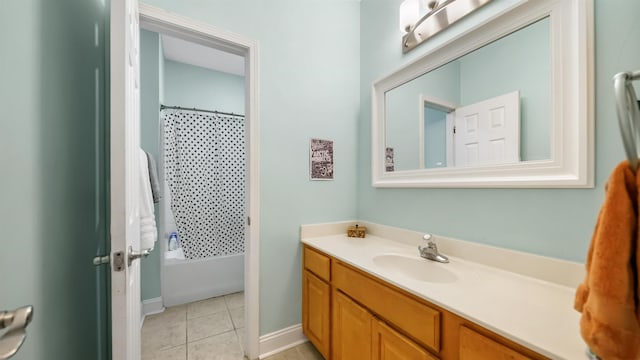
[[628, 114]]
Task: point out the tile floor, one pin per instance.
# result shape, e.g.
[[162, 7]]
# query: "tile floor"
[[210, 329]]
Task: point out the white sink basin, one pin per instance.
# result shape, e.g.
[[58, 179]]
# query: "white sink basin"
[[415, 268]]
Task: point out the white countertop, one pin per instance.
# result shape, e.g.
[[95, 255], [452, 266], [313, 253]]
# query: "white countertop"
[[535, 313]]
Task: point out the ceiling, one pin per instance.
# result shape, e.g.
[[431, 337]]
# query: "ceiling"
[[198, 55]]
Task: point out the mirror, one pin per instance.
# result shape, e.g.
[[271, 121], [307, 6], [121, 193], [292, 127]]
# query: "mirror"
[[425, 116], [506, 105]]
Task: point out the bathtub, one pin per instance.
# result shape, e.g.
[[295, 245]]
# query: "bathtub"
[[185, 281]]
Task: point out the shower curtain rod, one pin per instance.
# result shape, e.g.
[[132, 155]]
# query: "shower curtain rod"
[[162, 107]]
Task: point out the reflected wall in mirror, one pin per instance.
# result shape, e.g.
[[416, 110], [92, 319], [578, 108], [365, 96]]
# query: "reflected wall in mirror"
[[505, 105], [452, 116]]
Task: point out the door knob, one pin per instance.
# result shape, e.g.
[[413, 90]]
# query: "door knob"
[[15, 322], [118, 258], [133, 255]]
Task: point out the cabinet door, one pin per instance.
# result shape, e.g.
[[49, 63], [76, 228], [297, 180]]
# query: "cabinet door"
[[388, 344], [316, 300], [414, 317], [351, 329], [475, 346]]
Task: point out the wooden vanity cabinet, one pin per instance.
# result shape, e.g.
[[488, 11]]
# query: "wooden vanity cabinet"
[[475, 346], [350, 329], [416, 319], [316, 300], [390, 344], [356, 334], [351, 315]]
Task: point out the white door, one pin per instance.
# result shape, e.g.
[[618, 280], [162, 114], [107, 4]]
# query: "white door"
[[125, 145], [488, 132]]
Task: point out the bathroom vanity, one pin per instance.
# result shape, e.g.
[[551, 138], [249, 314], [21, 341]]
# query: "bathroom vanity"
[[375, 298]]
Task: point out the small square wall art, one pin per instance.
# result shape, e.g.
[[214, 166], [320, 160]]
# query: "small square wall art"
[[321, 159]]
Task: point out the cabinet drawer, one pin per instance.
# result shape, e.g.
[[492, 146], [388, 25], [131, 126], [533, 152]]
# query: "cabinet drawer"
[[475, 346], [317, 263], [416, 319]]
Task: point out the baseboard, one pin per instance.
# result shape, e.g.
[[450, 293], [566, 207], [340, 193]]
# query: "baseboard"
[[281, 340], [150, 307]]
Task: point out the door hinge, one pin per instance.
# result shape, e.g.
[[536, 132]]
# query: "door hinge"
[[454, 130], [101, 260], [249, 220]]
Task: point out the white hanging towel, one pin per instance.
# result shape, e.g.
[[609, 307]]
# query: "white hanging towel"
[[148, 231]]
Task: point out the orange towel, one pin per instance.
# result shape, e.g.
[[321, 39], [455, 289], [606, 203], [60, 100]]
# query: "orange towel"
[[608, 298]]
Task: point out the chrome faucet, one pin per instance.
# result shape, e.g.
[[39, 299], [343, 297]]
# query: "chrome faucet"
[[430, 251]]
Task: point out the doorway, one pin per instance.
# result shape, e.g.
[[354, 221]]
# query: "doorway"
[[179, 28]]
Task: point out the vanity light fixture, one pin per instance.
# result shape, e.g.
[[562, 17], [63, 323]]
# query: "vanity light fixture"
[[439, 15]]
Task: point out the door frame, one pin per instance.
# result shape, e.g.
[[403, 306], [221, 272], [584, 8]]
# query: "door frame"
[[440, 104], [161, 21]]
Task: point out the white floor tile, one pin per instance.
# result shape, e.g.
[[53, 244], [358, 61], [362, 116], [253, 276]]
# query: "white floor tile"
[[211, 329], [237, 316], [234, 300], [176, 353], [206, 326], [163, 336], [206, 307], [220, 347], [170, 315]]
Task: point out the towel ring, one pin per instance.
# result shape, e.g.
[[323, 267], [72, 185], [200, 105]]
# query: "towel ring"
[[628, 114]]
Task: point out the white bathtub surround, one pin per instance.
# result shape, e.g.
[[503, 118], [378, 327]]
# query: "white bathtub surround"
[[185, 281], [176, 254], [523, 297]]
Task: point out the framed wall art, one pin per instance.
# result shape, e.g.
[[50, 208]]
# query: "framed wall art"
[[321, 159]]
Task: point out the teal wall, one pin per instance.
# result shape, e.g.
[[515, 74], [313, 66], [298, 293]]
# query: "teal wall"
[[435, 138], [309, 55], [161, 71], [550, 222], [192, 86], [150, 59], [52, 155]]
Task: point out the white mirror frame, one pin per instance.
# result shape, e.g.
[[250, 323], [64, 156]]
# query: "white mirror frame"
[[572, 125]]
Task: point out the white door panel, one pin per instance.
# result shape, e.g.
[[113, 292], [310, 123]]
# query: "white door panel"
[[124, 150], [488, 132]]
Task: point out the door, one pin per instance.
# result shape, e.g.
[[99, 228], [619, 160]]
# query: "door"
[[351, 329], [53, 195], [488, 132], [125, 145]]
